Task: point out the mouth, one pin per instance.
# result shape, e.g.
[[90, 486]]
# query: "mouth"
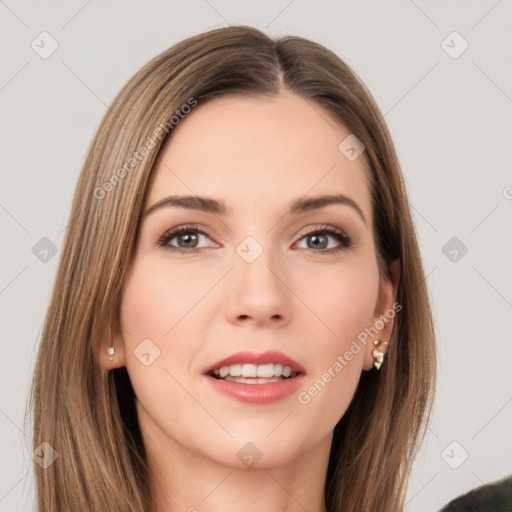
[[255, 378]]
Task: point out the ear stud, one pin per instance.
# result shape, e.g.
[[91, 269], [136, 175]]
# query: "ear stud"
[[110, 352]]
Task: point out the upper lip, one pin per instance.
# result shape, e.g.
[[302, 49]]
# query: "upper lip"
[[270, 356]]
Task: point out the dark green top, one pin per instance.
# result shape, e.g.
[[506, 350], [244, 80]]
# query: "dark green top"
[[495, 497]]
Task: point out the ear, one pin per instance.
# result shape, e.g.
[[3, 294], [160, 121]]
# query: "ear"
[[384, 314], [112, 337]]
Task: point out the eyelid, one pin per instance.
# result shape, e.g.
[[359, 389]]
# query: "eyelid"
[[322, 227]]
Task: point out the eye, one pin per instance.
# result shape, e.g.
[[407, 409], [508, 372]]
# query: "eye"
[[187, 239], [320, 240]]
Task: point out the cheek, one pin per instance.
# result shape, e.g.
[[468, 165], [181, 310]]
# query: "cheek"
[[344, 301], [154, 318], [158, 351], [157, 300]]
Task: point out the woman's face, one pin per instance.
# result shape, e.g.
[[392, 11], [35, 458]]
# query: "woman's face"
[[252, 275]]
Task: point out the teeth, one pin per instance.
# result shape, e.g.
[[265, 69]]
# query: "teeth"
[[267, 372], [249, 380], [249, 370], [235, 370]]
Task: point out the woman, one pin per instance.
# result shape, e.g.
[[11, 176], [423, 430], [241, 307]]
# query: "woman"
[[240, 318]]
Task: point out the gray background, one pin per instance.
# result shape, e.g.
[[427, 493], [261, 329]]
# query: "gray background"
[[450, 119]]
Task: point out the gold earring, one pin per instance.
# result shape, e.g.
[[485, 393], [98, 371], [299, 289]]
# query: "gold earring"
[[377, 354]]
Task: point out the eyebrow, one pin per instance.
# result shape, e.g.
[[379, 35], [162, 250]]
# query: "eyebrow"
[[216, 207]]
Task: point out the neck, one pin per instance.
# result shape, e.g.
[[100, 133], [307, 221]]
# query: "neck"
[[186, 481]]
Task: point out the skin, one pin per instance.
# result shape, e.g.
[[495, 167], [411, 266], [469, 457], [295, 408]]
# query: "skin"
[[257, 155]]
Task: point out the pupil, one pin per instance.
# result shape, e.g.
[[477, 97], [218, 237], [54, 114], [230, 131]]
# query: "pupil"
[[317, 237], [187, 236]]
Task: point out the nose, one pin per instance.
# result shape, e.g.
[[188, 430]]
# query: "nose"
[[258, 292]]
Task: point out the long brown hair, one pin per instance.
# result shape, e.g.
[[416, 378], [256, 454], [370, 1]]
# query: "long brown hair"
[[87, 414]]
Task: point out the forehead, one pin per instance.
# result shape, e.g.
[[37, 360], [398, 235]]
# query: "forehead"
[[257, 154]]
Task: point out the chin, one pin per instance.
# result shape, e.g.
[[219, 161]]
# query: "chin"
[[253, 452]]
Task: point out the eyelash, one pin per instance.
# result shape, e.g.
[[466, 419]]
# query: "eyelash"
[[336, 233]]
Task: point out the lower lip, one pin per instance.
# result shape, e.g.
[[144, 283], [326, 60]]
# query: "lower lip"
[[256, 393]]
